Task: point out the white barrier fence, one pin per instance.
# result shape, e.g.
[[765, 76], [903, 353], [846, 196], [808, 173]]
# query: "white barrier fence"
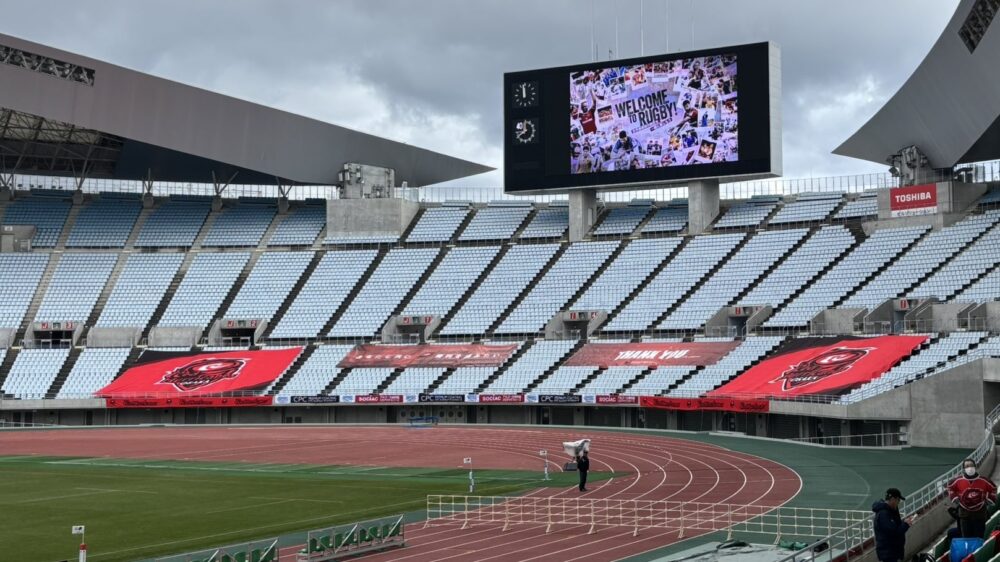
[[685, 518]]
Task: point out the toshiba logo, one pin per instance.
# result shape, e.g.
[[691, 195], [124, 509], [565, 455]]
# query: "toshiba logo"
[[911, 197]]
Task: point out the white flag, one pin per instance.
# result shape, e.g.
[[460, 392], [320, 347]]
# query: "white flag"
[[77, 529], [574, 448]]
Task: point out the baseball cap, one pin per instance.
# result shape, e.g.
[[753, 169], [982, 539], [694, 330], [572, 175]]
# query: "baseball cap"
[[894, 493]]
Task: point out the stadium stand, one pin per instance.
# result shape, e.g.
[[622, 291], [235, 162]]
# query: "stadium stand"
[[318, 371], [362, 381], [452, 277], [33, 372], [751, 262], [414, 380], [323, 293], [497, 221], [636, 261], [821, 249], [105, 223], [94, 369], [551, 222], [398, 272], [564, 380], [464, 380], [865, 206], [206, 284], [980, 257], [539, 358], [507, 279], [21, 274], [749, 213], [47, 214], [624, 220], [672, 218], [696, 259], [611, 380], [300, 227], [175, 223], [139, 289], [75, 287], [658, 381], [871, 255], [935, 249], [273, 277], [577, 264], [807, 207], [438, 224], [241, 226]]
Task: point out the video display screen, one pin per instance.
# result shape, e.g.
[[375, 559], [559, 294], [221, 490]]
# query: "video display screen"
[[654, 115], [670, 118]]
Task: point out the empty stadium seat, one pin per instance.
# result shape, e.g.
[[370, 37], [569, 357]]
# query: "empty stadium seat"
[[200, 293], [268, 285], [94, 369], [139, 289], [541, 356], [47, 214], [438, 224], [301, 227], [317, 372], [498, 221], [105, 223], [33, 372], [21, 274], [75, 286], [240, 226], [175, 223]]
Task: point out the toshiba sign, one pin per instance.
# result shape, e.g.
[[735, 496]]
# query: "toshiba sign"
[[913, 200]]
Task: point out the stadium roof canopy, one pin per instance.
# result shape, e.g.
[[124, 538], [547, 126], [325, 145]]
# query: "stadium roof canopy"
[[949, 108], [65, 114]]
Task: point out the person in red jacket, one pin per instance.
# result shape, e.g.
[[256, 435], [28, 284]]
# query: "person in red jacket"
[[971, 493]]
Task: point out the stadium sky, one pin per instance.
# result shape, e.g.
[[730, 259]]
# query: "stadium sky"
[[429, 72]]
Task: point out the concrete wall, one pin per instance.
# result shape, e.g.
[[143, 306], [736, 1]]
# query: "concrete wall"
[[369, 217], [703, 204], [582, 212]]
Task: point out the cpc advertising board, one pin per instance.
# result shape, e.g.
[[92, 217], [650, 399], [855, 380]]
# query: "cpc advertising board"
[[666, 118], [913, 200]]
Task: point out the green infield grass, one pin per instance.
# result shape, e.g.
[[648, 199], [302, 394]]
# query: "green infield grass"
[[138, 509]]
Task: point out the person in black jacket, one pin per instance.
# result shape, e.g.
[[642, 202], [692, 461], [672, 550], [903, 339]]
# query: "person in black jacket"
[[583, 465], [890, 528]]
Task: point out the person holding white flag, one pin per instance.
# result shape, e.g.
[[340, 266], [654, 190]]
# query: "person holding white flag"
[[579, 451]]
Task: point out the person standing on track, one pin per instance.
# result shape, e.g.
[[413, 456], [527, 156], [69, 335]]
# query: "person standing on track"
[[582, 466]]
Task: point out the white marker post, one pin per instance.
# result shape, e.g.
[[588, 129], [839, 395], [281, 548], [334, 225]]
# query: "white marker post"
[[80, 530], [472, 480], [545, 461]]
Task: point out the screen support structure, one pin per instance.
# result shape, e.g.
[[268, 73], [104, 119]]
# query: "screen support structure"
[[703, 204], [582, 212]]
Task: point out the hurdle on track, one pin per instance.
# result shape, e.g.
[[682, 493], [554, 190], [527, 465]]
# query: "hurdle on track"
[[638, 515]]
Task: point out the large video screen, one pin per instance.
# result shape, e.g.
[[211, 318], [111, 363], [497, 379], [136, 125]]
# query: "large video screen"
[[654, 115], [653, 120]]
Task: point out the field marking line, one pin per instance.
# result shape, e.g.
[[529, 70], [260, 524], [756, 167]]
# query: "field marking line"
[[254, 506], [296, 499], [56, 497], [118, 491]]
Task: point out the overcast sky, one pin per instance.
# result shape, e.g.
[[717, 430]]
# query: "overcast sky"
[[429, 72]]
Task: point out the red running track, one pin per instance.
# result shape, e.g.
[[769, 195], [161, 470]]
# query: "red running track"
[[650, 467]]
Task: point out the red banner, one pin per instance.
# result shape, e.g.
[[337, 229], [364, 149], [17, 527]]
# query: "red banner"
[[650, 354], [191, 402], [710, 404], [193, 374], [822, 366], [913, 200], [455, 355]]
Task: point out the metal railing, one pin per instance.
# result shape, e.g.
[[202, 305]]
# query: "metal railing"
[[851, 542], [897, 439], [685, 518]]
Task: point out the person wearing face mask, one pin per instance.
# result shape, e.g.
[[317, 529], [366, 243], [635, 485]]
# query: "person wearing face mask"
[[970, 494], [890, 528]]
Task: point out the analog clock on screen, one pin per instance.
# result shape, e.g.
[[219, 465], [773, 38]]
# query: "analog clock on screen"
[[525, 94], [525, 131]]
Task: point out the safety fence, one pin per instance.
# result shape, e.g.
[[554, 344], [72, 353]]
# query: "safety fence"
[[851, 543], [685, 518]]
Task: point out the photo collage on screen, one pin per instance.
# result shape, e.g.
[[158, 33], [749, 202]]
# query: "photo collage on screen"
[[654, 115]]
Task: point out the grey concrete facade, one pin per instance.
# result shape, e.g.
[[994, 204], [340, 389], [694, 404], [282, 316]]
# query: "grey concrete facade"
[[582, 213], [703, 204], [363, 218]]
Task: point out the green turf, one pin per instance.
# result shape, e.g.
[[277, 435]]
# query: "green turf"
[[137, 509]]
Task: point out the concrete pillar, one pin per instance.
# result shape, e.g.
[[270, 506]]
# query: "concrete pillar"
[[147, 200], [283, 206], [217, 203], [703, 204], [78, 197], [6, 194], [582, 212]]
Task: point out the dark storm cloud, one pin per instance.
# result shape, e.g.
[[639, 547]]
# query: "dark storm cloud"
[[429, 72]]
